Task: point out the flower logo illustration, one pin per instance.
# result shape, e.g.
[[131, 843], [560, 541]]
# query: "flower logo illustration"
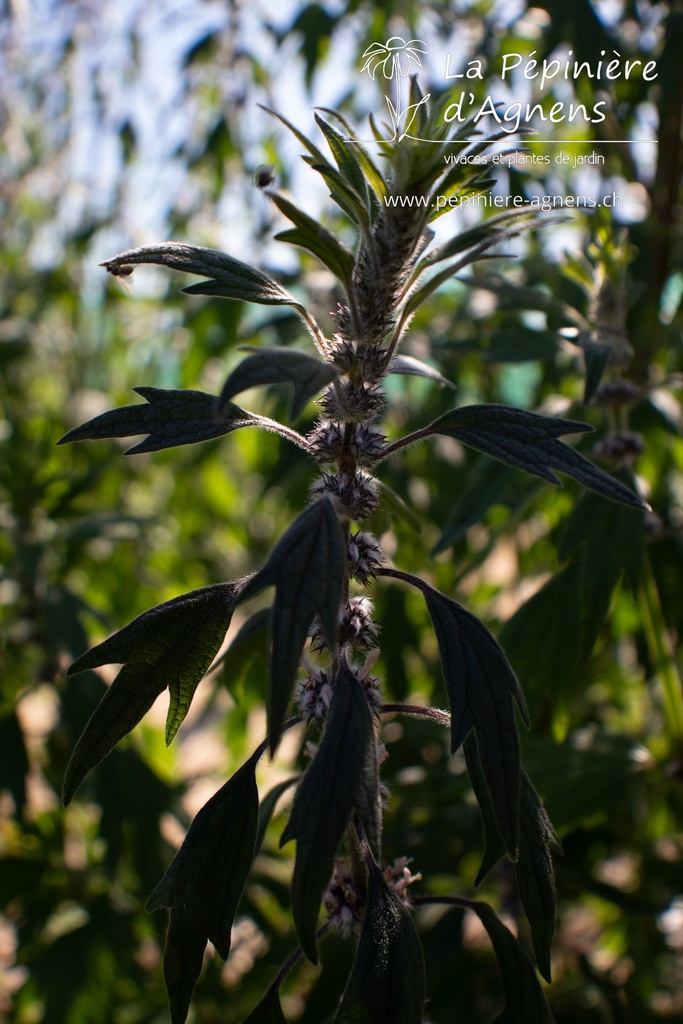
[[396, 58]]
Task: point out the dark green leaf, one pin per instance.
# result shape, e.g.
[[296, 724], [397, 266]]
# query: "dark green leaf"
[[368, 800], [370, 170], [494, 847], [472, 236], [542, 637], [183, 958], [311, 235], [529, 441], [268, 1010], [245, 644], [487, 483], [397, 507], [525, 1002], [481, 689], [325, 800], [307, 568], [171, 418], [345, 157], [171, 646], [268, 805], [535, 876], [481, 686], [306, 374], [508, 343], [590, 522], [346, 198], [206, 877], [387, 981], [534, 868], [596, 358], [229, 278], [14, 761], [588, 778], [514, 296], [411, 367]]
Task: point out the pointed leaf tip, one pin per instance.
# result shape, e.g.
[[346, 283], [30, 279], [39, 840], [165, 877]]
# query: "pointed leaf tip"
[[528, 441], [306, 374], [307, 567], [170, 646]]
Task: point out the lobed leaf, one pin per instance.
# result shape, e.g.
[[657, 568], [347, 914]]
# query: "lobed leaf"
[[553, 634], [528, 441], [204, 882], [171, 646], [306, 374], [387, 980], [534, 867], [170, 418], [482, 689], [325, 800], [370, 169], [307, 568], [229, 278]]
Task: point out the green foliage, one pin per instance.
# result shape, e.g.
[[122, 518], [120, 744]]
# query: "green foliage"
[[583, 592]]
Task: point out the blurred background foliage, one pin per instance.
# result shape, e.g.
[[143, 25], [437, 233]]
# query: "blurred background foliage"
[[125, 123]]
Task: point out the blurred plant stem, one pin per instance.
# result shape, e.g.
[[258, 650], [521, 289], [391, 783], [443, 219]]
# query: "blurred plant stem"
[[663, 659]]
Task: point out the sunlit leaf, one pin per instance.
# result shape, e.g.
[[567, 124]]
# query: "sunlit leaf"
[[387, 981], [396, 506], [345, 156], [307, 375], [229, 278], [307, 568], [268, 1010], [603, 565], [325, 800], [542, 638], [171, 646], [311, 235]]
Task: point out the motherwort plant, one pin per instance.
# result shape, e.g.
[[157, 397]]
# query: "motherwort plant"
[[323, 637]]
